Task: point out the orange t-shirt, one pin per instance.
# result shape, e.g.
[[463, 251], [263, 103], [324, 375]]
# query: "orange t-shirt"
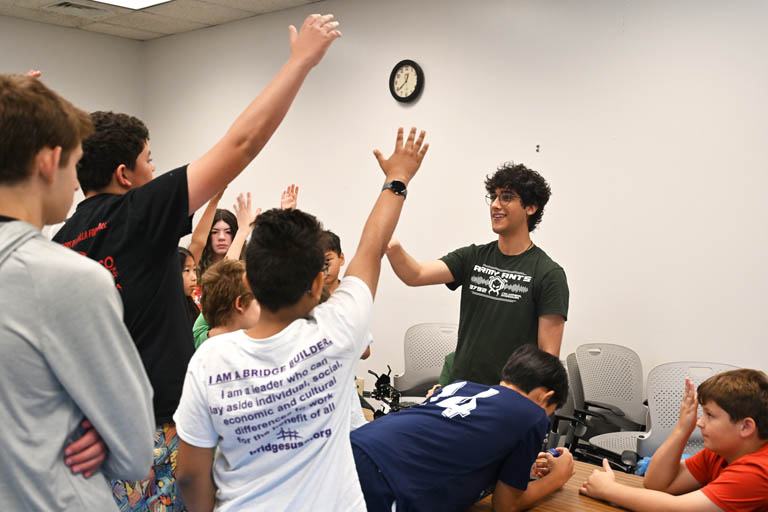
[[739, 486]]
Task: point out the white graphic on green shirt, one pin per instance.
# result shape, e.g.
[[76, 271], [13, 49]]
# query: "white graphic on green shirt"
[[498, 284]]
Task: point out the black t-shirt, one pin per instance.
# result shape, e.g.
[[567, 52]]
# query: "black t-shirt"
[[136, 236], [502, 298]]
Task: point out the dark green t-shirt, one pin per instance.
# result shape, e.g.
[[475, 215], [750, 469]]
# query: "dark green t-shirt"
[[502, 298]]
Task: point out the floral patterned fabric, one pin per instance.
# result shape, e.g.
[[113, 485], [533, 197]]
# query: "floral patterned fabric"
[[159, 492]]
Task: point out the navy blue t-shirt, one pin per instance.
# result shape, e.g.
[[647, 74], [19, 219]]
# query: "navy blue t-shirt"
[[442, 454]]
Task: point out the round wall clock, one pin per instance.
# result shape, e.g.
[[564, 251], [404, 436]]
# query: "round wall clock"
[[406, 81]]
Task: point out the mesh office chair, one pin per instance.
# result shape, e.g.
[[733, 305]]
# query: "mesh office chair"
[[665, 391], [612, 381], [426, 346]]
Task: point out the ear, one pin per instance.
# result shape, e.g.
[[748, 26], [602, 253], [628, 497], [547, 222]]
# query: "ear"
[[317, 286], [748, 427], [342, 260], [531, 209], [121, 177], [541, 396], [46, 163], [239, 304]]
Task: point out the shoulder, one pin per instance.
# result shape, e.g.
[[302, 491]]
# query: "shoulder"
[[56, 266], [350, 287], [544, 261], [163, 184]]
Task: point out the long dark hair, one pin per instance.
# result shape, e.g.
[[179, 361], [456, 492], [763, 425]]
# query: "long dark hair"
[[206, 259]]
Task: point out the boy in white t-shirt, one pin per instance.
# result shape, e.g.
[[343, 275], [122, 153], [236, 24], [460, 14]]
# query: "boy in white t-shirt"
[[275, 398]]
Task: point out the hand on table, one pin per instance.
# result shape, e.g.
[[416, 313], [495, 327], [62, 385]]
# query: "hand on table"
[[599, 483]]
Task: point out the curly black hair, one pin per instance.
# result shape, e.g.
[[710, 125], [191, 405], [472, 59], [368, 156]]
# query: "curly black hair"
[[532, 188], [284, 256], [116, 139]]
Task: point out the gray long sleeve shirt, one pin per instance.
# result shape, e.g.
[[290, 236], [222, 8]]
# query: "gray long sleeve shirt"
[[65, 355]]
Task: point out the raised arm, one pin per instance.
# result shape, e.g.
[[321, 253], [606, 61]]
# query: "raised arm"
[[253, 128], [413, 273], [203, 229], [401, 166], [666, 471], [245, 218]]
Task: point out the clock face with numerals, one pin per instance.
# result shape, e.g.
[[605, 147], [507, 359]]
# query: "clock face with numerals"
[[406, 81]]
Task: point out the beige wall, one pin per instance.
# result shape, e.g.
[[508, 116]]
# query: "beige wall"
[[650, 116]]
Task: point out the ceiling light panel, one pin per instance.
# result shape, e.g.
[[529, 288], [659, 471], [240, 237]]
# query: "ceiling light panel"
[[134, 4]]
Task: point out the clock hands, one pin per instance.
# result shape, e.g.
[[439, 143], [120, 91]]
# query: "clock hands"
[[402, 84]]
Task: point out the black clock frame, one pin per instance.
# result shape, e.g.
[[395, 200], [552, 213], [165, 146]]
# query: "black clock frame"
[[419, 81]]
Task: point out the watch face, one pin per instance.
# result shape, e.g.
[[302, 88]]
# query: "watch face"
[[406, 81], [398, 187]]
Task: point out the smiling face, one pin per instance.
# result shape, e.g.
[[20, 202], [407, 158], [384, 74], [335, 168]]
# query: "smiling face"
[[508, 215], [221, 239]]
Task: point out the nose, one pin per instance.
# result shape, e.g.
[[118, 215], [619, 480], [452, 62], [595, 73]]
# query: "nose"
[[699, 422]]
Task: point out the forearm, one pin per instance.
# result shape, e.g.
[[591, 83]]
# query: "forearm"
[[376, 234], [247, 135], [203, 229], [665, 463], [404, 265], [537, 490], [641, 500], [236, 248]]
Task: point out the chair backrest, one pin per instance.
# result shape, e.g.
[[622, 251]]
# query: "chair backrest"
[[666, 383], [613, 374], [426, 346], [575, 388]]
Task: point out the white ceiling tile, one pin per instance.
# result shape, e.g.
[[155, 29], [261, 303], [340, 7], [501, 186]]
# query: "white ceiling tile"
[[143, 20], [261, 6], [127, 32], [99, 12], [40, 16], [201, 12]]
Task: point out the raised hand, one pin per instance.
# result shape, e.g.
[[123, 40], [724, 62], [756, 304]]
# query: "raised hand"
[[309, 45], [289, 198], [244, 212], [406, 158], [689, 407]]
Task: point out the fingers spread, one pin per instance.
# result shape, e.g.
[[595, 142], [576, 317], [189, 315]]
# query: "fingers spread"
[[399, 138]]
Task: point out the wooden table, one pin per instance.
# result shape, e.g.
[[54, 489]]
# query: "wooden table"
[[568, 498]]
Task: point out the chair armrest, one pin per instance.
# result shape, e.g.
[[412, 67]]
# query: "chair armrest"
[[581, 412], [600, 405], [571, 419]]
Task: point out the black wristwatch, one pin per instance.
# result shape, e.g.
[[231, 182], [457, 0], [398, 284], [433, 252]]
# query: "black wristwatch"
[[396, 186]]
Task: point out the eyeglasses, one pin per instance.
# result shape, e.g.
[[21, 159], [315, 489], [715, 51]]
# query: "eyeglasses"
[[505, 197]]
